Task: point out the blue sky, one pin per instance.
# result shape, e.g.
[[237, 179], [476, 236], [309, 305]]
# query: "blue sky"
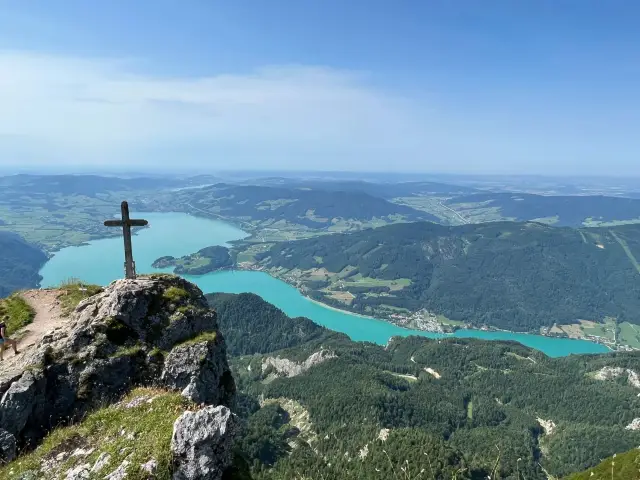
[[531, 86]]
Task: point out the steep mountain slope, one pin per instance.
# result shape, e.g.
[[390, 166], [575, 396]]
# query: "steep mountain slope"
[[342, 409], [518, 276], [155, 332], [252, 325], [19, 264]]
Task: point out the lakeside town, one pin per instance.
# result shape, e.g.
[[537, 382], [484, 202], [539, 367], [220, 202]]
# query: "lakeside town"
[[426, 321]]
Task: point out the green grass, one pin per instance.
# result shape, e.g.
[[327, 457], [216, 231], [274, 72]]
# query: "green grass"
[[606, 330], [447, 321], [470, 410], [151, 425], [360, 281], [127, 351], [625, 466], [73, 292], [629, 335], [175, 294], [16, 313], [203, 337]]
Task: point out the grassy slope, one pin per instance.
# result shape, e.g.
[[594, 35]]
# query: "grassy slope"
[[73, 292], [620, 467], [16, 313], [148, 428]]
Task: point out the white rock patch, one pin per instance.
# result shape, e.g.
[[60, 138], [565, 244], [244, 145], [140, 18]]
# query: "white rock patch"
[[547, 425], [364, 451], [289, 368], [634, 425], [384, 434], [432, 372]]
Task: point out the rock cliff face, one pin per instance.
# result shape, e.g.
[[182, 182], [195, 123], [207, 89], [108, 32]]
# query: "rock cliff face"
[[288, 368], [155, 331]]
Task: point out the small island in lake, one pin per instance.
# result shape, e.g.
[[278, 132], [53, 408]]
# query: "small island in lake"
[[206, 260]]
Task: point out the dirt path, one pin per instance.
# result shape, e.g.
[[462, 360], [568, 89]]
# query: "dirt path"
[[48, 317]]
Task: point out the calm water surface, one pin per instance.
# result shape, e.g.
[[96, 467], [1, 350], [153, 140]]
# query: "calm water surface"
[[178, 234]]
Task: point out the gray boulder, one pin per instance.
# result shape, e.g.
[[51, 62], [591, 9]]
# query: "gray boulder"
[[202, 443], [18, 402], [7, 447], [200, 371]]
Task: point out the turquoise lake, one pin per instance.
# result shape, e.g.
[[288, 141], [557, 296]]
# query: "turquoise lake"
[[178, 234]]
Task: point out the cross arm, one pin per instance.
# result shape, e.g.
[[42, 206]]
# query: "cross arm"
[[131, 223], [138, 223], [113, 223]]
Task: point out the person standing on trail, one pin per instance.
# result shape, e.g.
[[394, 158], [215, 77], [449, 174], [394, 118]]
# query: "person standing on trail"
[[5, 341]]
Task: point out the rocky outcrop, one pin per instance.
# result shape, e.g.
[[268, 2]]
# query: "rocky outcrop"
[[7, 447], [202, 443], [288, 368], [153, 331], [196, 370], [610, 373], [634, 425]]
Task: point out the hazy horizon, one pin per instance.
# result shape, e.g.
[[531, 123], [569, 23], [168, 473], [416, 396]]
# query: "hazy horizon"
[[462, 88]]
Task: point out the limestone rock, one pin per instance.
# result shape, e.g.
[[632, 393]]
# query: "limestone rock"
[[202, 443], [200, 371], [289, 368], [19, 401], [7, 446], [115, 340]]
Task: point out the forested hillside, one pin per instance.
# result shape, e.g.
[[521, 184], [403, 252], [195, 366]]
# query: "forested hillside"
[[19, 264], [517, 276], [560, 210], [331, 408], [251, 325]]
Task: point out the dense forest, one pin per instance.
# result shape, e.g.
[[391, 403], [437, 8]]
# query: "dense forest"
[[19, 264], [571, 210], [457, 408], [251, 325], [517, 276]]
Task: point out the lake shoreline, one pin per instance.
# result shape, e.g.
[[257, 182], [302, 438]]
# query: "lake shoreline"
[[100, 262], [486, 328]]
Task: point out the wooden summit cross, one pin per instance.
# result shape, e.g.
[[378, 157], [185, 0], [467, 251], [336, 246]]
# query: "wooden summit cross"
[[126, 223]]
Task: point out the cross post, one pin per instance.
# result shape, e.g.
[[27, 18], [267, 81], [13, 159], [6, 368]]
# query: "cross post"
[[126, 223]]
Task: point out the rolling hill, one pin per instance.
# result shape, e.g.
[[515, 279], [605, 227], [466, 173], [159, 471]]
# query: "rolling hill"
[[285, 211], [516, 276], [560, 210]]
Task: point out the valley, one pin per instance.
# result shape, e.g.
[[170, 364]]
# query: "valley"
[[451, 395], [402, 272]]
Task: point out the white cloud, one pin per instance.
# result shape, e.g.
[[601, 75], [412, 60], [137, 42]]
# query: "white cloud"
[[80, 110]]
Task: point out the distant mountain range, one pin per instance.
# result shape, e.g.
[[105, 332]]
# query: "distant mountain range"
[[305, 207], [567, 210]]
